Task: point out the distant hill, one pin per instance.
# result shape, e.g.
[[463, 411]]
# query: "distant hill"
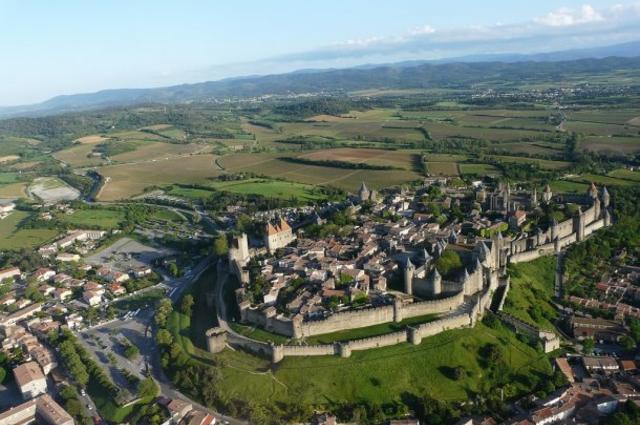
[[452, 73]]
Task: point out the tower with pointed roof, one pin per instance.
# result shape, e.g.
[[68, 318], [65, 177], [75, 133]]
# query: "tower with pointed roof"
[[363, 193], [435, 281], [606, 198], [547, 194], [409, 270], [534, 197], [592, 191]]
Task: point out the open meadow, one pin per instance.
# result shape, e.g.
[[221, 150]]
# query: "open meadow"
[[14, 238]]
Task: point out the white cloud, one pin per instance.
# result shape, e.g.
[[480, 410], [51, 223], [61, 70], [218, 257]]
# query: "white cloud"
[[566, 17], [561, 29], [425, 29]]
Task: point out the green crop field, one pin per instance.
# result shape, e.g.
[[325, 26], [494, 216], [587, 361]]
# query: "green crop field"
[[442, 168], [479, 169], [347, 179], [12, 237], [269, 188], [625, 175], [566, 186]]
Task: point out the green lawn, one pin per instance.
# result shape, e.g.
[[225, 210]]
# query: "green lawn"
[[603, 180], [566, 186], [134, 302], [12, 237], [108, 409], [164, 215], [479, 169], [95, 217], [380, 375], [531, 292], [264, 187], [6, 178], [625, 174]]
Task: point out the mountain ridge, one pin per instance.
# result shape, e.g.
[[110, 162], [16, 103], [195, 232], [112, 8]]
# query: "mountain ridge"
[[451, 72]]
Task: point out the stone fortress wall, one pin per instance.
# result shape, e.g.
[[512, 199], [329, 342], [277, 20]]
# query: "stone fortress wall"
[[476, 290], [296, 328]]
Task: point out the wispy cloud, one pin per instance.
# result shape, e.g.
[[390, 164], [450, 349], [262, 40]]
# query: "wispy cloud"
[[559, 29], [566, 17]]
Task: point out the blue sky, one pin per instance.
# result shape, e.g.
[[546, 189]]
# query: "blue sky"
[[63, 46]]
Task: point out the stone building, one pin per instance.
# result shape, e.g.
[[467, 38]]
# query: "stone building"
[[30, 380], [366, 195], [278, 234]]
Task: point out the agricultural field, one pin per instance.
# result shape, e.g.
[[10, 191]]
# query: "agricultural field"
[[443, 168], [148, 151], [347, 179], [13, 190], [611, 145], [543, 163], [12, 237], [625, 174], [567, 186], [269, 188], [405, 159], [479, 170], [126, 180]]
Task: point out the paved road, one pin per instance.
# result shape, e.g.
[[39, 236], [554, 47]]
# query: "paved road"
[[138, 330]]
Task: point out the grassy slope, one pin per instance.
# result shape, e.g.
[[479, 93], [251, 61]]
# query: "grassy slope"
[[379, 375], [531, 291]]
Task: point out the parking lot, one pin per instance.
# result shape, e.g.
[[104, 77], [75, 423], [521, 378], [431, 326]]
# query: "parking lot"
[[126, 254]]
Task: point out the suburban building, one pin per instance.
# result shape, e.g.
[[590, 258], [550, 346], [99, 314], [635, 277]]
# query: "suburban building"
[[41, 410], [30, 380], [10, 273], [600, 364], [67, 257]]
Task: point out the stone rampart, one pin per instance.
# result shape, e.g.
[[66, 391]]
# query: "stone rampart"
[[596, 225], [309, 350], [433, 328], [349, 320], [379, 341], [440, 306]]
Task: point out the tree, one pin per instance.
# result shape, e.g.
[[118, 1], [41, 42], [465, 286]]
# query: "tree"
[[3, 374], [448, 263], [92, 314], [187, 304], [173, 269], [588, 345], [147, 388], [627, 342], [163, 311], [220, 245], [164, 337], [131, 352]]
